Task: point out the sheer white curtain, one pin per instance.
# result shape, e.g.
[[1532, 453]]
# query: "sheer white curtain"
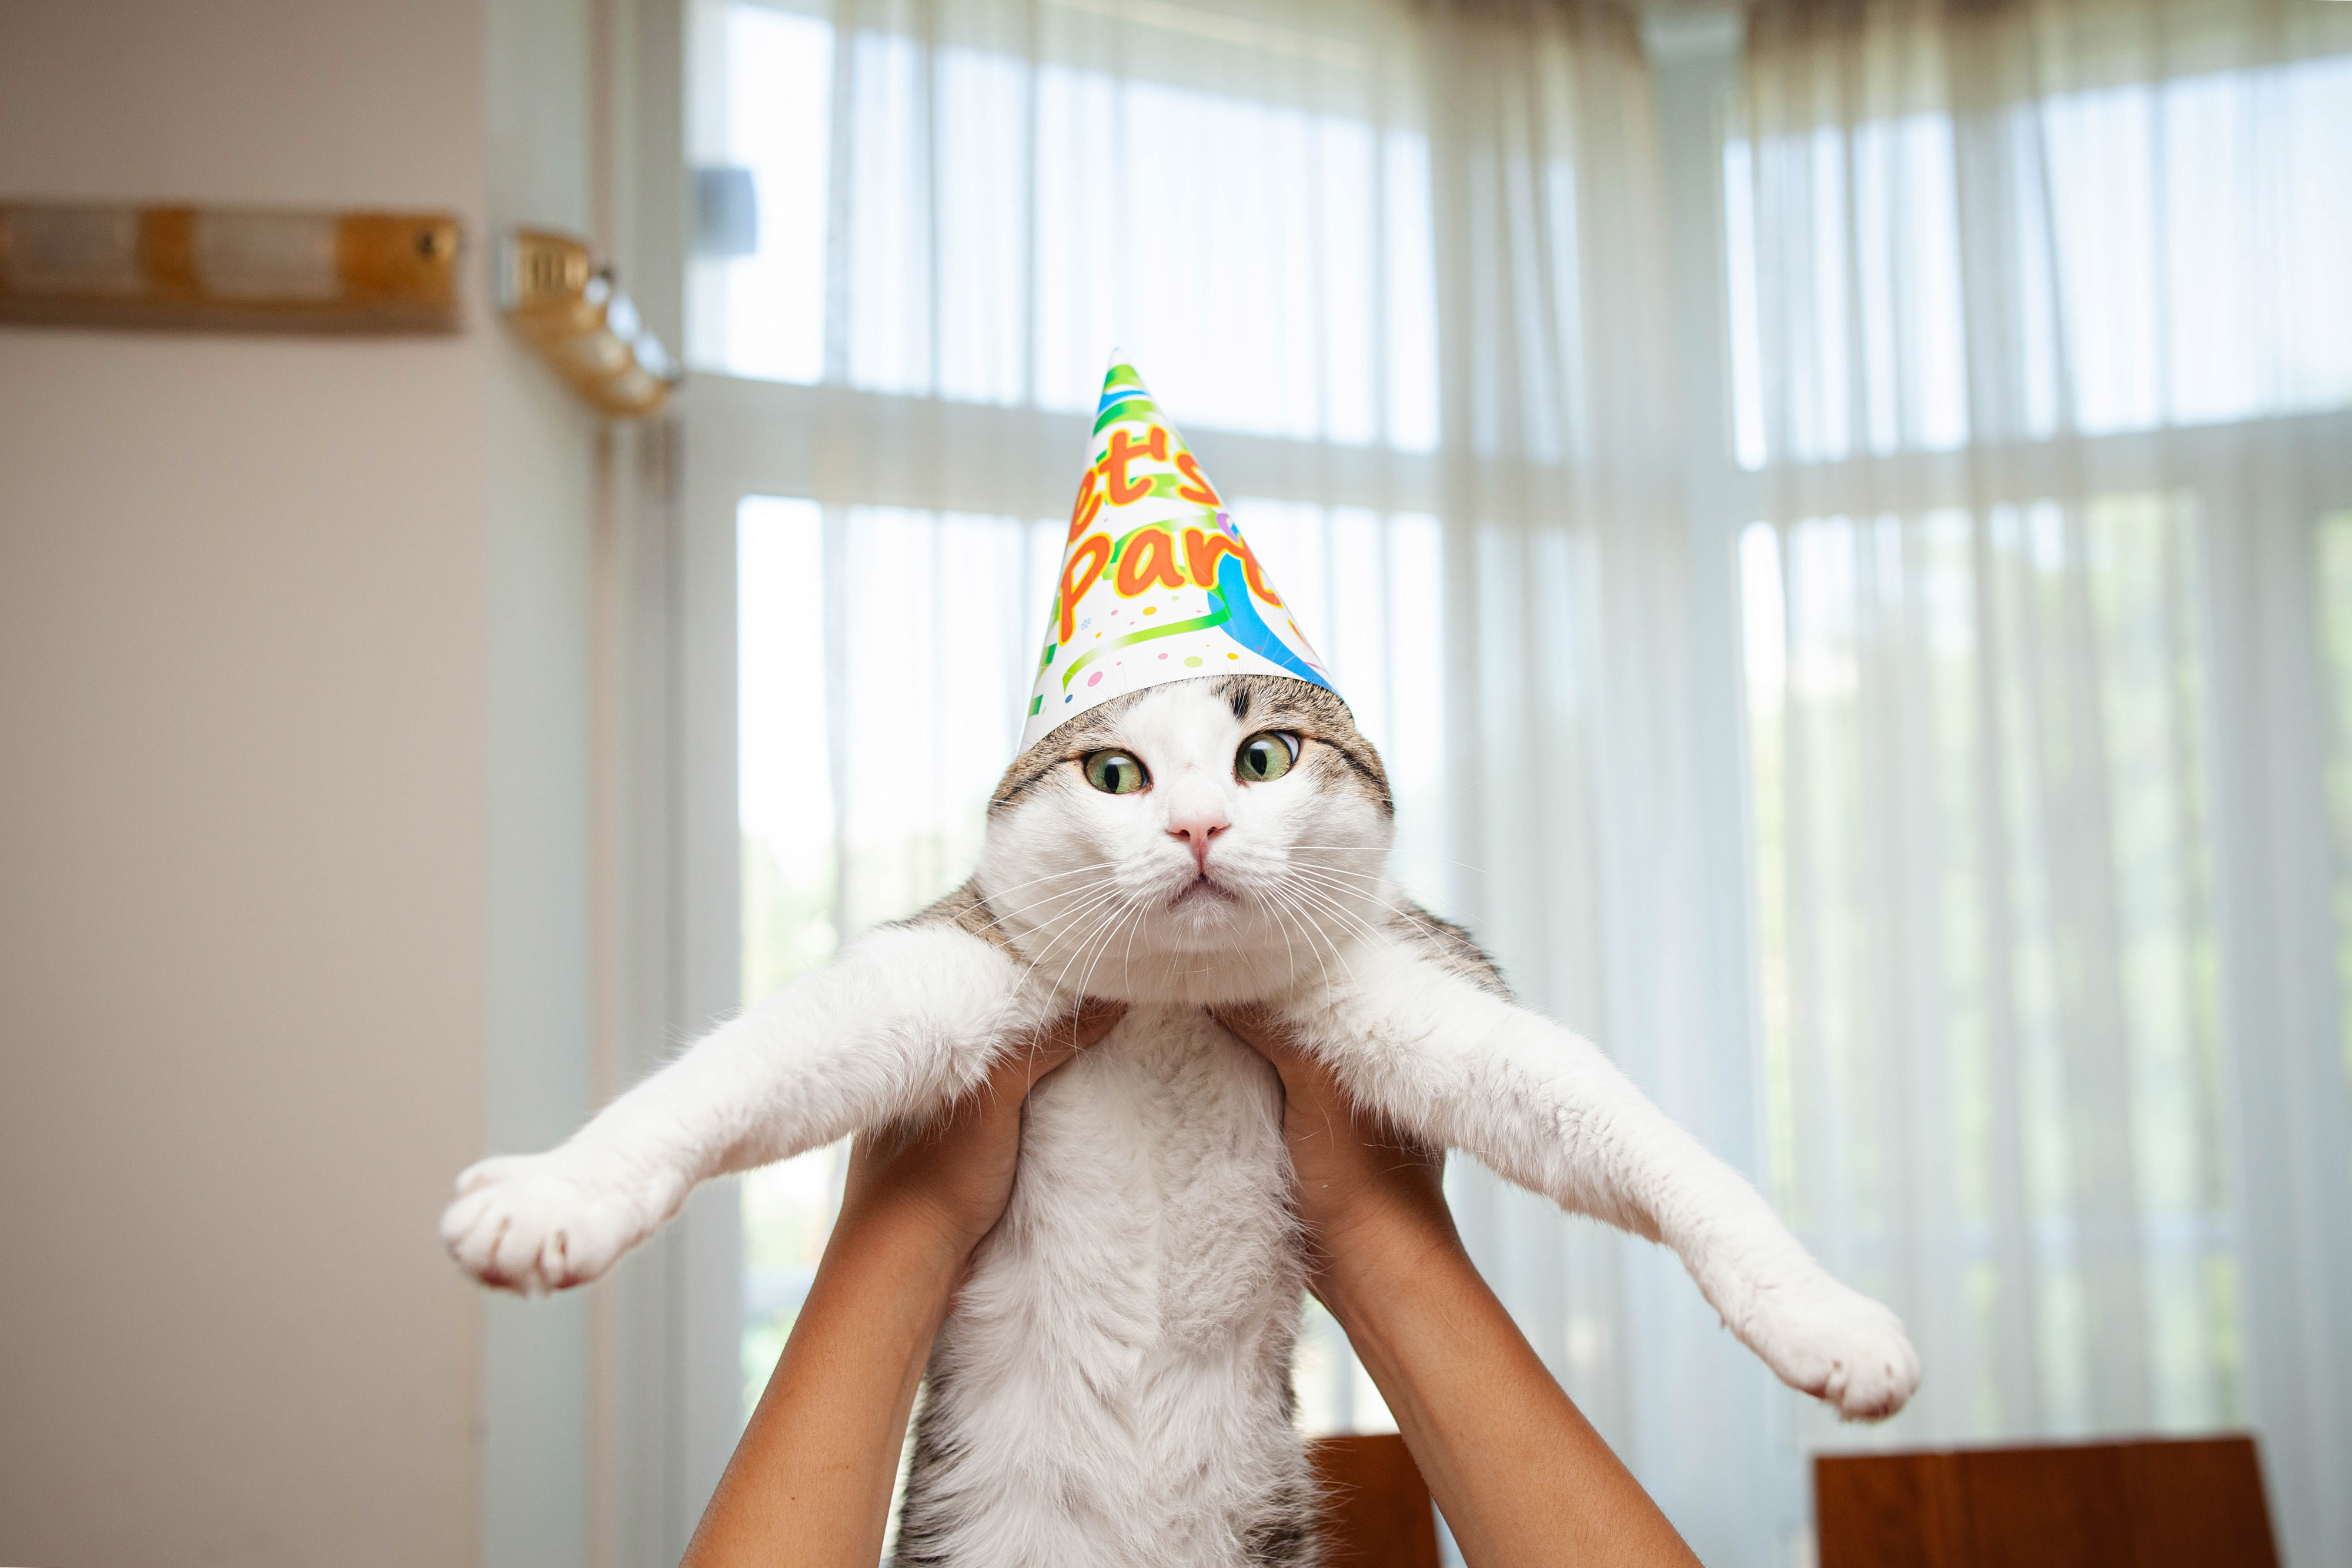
[[1991, 925], [2044, 354], [1591, 805]]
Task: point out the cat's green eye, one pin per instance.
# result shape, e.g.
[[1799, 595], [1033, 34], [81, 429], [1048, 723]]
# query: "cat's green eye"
[[1265, 756], [1115, 773]]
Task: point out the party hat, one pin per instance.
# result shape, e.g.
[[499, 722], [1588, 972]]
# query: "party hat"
[[1157, 583]]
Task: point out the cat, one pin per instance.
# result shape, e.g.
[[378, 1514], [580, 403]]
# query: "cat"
[[1113, 1381]]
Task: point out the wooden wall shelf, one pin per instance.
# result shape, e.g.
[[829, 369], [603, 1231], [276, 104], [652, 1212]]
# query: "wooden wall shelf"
[[227, 268]]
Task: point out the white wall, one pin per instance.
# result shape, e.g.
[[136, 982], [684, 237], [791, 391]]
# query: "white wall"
[[293, 699]]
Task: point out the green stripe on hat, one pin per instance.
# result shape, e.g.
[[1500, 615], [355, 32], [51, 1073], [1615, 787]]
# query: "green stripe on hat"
[[1136, 407]]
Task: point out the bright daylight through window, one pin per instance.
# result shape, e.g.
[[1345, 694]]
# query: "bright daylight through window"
[[1871, 750]]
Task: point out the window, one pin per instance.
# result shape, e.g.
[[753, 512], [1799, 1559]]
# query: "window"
[[1998, 861], [2034, 402], [1959, 648]]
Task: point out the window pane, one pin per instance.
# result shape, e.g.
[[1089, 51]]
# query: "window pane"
[[761, 103], [788, 874], [1014, 220], [2146, 255], [1987, 944]]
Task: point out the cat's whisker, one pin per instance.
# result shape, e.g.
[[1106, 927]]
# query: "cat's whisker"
[[1346, 870], [1289, 959], [1326, 893], [1099, 902], [1288, 895], [1386, 849], [1372, 884], [1099, 895], [1066, 871], [1110, 931], [1275, 906], [1135, 908], [1045, 899], [1126, 961], [1117, 907], [1307, 925], [1107, 915], [1338, 955], [1371, 879], [1043, 921], [1309, 889], [1097, 936], [1361, 885]]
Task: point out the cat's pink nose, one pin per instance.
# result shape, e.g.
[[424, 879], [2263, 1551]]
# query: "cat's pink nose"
[[1196, 832]]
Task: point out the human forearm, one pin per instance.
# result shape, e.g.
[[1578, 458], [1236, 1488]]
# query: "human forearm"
[[1521, 1475], [809, 1486], [1524, 1480]]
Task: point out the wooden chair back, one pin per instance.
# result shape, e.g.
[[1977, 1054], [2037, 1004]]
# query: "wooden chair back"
[[2156, 1504], [1376, 1511]]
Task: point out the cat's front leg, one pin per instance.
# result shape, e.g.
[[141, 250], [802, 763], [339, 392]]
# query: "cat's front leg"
[[909, 1018], [1457, 1062]]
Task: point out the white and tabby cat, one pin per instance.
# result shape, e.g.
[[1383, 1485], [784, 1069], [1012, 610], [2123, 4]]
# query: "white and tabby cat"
[[1113, 1383]]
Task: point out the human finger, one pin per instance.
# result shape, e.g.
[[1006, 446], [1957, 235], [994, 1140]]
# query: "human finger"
[[1264, 1032], [1055, 1044]]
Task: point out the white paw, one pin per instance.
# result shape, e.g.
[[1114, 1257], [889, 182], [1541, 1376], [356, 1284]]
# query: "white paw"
[[543, 1222], [1838, 1345]]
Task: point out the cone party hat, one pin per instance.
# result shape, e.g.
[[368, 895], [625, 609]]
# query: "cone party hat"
[[1157, 583]]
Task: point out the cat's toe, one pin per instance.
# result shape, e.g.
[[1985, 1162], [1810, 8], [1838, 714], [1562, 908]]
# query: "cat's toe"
[[514, 1261], [588, 1243], [1845, 1349], [545, 1222], [1875, 1373], [472, 1230], [499, 1228]]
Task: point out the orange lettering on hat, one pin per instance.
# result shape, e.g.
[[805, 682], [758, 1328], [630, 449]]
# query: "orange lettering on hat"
[[1081, 574], [1204, 549], [1200, 489], [1122, 453], [1149, 558]]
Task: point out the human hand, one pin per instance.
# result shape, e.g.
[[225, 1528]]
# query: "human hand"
[[956, 1173], [1359, 1183], [1520, 1475]]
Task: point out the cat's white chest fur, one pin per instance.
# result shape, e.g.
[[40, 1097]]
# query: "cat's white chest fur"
[[1116, 1370]]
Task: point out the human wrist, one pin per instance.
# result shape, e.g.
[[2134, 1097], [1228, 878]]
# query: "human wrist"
[[922, 1226], [1378, 1250]]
